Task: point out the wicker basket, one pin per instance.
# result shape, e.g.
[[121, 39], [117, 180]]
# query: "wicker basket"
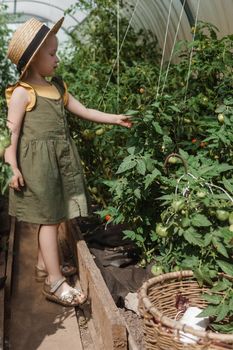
[[158, 299]]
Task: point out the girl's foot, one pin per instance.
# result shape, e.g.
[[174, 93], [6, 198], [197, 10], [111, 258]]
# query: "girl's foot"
[[62, 293]]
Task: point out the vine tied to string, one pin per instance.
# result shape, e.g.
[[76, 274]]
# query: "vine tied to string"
[[119, 48], [173, 47]]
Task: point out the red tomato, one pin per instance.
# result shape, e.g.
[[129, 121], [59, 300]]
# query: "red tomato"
[[107, 217]]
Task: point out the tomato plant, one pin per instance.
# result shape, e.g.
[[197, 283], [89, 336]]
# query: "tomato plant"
[[103, 148], [173, 212]]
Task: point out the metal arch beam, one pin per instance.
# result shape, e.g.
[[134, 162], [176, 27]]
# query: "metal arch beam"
[[188, 12], [43, 3], [42, 19]]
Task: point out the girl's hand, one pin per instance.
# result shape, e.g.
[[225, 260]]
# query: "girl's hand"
[[124, 120], [16, 180]]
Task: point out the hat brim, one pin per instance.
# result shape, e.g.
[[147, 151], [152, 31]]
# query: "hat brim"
[[54, 30]]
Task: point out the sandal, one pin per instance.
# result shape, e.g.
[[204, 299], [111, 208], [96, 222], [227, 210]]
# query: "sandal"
[[73, 297], [66, 269]]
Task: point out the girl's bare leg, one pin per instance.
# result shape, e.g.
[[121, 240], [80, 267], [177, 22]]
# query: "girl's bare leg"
[[48, 251], [40, 260]]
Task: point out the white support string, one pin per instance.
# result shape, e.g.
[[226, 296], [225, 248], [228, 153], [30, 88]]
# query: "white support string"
[[174, 43], [118, 55], [191, 54], [164, 46]]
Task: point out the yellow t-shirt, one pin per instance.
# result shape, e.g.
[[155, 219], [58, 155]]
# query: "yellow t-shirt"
[[33, 89]]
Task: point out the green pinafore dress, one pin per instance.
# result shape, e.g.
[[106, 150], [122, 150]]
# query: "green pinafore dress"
[[55, 188]]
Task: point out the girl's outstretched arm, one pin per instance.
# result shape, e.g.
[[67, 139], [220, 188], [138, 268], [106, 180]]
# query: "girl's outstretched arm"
[[16, 111], [77, 108]]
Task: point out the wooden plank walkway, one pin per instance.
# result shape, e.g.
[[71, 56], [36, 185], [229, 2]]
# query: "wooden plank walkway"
[[32, 323], [36, 323]]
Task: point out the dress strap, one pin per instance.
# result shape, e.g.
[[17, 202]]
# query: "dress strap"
[[62, 88]]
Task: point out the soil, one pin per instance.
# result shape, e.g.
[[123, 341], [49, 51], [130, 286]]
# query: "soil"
[[135, 324]]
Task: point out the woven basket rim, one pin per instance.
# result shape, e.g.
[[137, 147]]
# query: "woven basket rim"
[[167, 321]]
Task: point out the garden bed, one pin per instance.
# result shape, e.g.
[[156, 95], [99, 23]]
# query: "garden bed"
[[118, 328], [120, 272]]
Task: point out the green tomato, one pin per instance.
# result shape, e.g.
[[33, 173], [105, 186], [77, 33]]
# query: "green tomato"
[[88, 134], [156, 270], [185, 222], [222, 215], [221, 118], [178, 205], [172, 160], [230, 218], [99, 132], [94, 190], [205, 99], [201, 194], [161, 230], [231, 228]]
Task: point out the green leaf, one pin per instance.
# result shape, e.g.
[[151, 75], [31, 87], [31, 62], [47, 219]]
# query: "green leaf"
[[209, 311], [200, 220], [129, 234], [193, 237], [224, 167], [219, 247], [126, 165], [131, 112], [220, 109], [227, 184], [157, 128], [141, 167], [223, 310], [212, 299], [231, 303], [225, 266], [220, 286], [183, 154], [174, 108], [207, 239], [131, 150], [151, 177], [137, 193], [223, 328], [139, 238]]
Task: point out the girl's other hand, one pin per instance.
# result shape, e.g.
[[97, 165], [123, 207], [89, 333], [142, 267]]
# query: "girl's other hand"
[[124, 120], [16, 180]]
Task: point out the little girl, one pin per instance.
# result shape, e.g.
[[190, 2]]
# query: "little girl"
[[47, 186]]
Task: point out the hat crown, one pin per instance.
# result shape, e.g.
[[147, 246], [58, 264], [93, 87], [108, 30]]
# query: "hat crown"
[[22, 38]]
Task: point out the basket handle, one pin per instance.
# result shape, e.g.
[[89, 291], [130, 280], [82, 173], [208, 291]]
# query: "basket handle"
[[177, 156]]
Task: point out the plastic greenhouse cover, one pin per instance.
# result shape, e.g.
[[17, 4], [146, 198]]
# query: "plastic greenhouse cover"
[[174, 16], [46, 11]]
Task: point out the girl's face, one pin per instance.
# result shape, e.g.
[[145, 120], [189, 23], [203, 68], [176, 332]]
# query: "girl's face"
[[45, 61]]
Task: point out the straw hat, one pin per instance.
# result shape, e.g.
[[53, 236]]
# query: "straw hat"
[[27, 40]]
